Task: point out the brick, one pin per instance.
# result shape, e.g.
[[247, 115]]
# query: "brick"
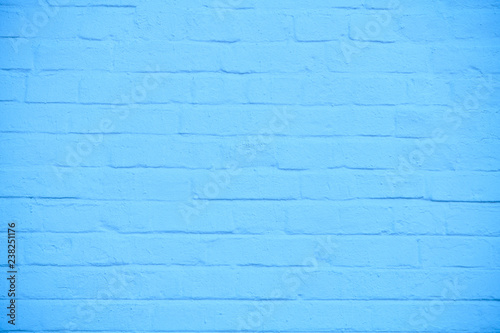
[[249, 184], [214, 89], [316, 27], [377, 57], [12, 86], [244, 26], [302, 5], [423, 217], [294, 121], [258, 165], [53, 87], [479, 24], [471, 186], [411, 27], [16, 54], [304, 315], [191, 283], [12, 24], [377, 26], [459, 252], [474, 219], [61, 55], [114, 150], [452, 58], [51, 181], [273, 57], [341, 218], [245, 217], [332, 89], [155, 22], [67, 249], [82, 119], [357, 184], [89, 23], [169, 57]]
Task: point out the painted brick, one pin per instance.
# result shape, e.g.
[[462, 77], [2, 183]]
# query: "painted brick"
[[124, 183], [61, 55], [251, 165], [473, 186], [459, 252], [84, 119], [67, 249], [316, 27], [90, 22], [245, 26], [377, 26], [239, 282], [53, 87], [11, 25], [307, 316], [12, 86], [169, 57], [16, 54]]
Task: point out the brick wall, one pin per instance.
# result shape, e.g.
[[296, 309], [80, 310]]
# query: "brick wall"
[[251, 165]]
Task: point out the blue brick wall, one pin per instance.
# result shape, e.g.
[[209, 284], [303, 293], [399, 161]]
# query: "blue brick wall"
[[251, 165]]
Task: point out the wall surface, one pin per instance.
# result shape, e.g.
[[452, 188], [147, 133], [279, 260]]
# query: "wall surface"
[[251, 165]]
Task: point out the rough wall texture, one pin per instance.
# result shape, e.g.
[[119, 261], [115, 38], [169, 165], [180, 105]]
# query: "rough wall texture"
[[263, 165]]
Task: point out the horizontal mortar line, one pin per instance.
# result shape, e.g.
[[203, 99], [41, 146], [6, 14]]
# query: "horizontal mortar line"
[[245, 70], [342, 200], [67, 167], [229, 233], [194, 134], [339, 329], [239, 72], [38, 71], [34, 197], [246, 134], [183, 200], [139, 268], [168, 265], [245, 163], [35, 73], [246, 199], [249, 234], [145, 301], [28, 270], [17, 69], [467, 137], [266, 104], [247, 166], [228, 7], [94, 201], [200, 263], [451, 41], [261, 299], [30, 6], [465, 201], [213, 200], [16, 102], [475, 170], [97, 5], [68, 39], [234, 268], [242, 166]]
